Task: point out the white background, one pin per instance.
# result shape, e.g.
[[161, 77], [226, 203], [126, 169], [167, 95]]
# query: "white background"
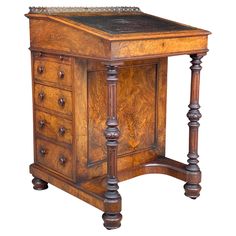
[[152, 204]]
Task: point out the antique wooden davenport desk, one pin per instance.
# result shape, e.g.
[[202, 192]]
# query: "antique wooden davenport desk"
[[99, 95]]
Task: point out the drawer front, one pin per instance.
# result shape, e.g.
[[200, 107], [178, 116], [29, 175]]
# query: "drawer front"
[[54, 157], [52, 98], [62, 59], [53, 72], [53, 127]]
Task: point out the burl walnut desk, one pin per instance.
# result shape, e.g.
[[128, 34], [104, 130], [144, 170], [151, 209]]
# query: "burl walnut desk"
[[99, 95]]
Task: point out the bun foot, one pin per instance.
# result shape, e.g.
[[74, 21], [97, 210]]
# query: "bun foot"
[[192, 190], [39, 184], [112, 221]]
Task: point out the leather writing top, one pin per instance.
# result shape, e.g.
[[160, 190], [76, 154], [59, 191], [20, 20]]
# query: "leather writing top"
[[124, 24]]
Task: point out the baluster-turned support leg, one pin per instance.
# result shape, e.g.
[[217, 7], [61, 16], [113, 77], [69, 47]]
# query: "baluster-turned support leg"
[[192, 187], [112, 216]]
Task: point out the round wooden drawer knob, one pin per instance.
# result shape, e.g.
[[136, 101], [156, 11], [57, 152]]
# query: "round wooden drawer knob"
[[61, 131], [42, 152], [40, 69], [61, 74], [42, 123], [41, 96], [62, 160], [61, 102]]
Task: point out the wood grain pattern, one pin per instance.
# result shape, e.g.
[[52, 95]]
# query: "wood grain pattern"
[[45, 35], [112, 216], [52, 157], [88, 83], [92, 191], [58, 58], [136, 110], [56, 73], [154, 47], [86, 170], [122, 46], [95, 65], [109, 37], [77, 190], [51, 98], [80, 122], [161, 99], [53, 127], [192, 190]]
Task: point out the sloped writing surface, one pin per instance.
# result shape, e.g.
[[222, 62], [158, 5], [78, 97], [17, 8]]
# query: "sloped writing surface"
[[124, 24]]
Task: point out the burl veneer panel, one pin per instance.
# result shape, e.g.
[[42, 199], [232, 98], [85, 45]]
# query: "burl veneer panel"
[[136, 111], [53, 36]]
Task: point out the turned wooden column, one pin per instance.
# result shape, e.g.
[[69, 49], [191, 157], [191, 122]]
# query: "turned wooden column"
[[112, 216], [192, 187]]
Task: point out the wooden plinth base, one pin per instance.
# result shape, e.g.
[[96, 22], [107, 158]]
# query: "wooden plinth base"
[[92, 191]]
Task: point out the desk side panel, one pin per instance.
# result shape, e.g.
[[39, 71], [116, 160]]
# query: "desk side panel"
[[51, 36], [142, 133]]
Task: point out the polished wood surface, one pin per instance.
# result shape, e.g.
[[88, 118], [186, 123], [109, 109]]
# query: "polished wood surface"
[[53, 127], [193, 189], [112, 216], [136, 110], [54, 157], [99, 101], [45, 35], [138, 142], [161, 47], [53, 99], [39, 184], [92, 191], [53, 72]]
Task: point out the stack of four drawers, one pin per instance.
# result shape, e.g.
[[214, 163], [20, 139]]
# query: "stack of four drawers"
[[52, 85]]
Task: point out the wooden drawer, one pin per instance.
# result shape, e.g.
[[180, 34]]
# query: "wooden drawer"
[[62, 59], [54, 157], [50, 71], [53, 127], [52, 98]]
